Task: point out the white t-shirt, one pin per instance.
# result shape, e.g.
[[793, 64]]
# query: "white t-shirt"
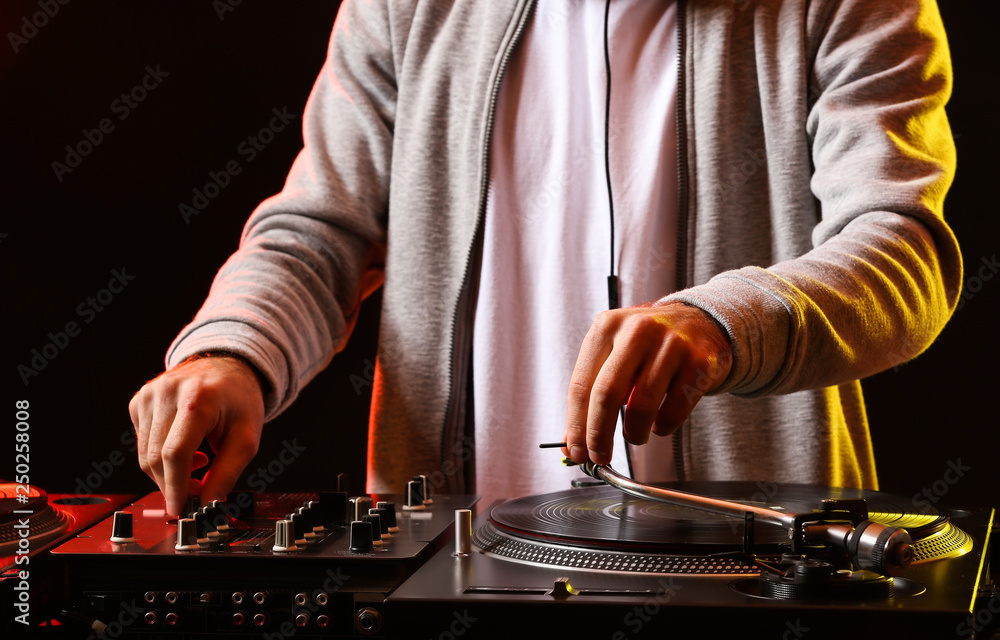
[[547, 245]]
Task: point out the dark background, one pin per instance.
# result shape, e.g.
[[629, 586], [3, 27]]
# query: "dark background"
[[222, 74]]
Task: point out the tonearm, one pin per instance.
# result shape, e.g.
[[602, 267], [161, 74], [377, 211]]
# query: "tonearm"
[[840, 524]]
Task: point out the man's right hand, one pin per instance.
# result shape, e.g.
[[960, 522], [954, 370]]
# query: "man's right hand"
[[218, 398]]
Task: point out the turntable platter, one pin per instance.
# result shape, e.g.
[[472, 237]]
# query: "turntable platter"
[[604, 519], [45, 522]]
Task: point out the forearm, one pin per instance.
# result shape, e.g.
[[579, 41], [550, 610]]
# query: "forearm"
[[872, 297], [288, 298], [884, 270]]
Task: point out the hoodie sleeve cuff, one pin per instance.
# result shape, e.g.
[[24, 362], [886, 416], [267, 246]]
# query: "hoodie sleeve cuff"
[[244, 341], [758, 325]]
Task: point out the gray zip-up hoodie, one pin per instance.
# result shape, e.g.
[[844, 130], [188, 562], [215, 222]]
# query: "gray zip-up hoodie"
[[814, 159]]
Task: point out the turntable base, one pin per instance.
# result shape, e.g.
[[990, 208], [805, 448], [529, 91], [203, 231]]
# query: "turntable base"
[[594, 563]]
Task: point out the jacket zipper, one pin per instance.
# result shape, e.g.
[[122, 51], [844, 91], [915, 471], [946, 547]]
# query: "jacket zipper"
[[447, 442], [682, 194]]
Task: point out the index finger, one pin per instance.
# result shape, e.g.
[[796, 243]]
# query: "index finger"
[[593, 355]]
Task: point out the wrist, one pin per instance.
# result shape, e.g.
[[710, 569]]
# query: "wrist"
[[262, 382]]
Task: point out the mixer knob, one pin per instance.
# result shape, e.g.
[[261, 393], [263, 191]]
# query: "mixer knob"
[[121, 528], [201, 527], [383, 519], [425, 488], [361, 537], [358, 507], [414, 496], [187, 535], [376, 523], [216, 512], [299, 525], [210, 522], [305, 521], [316, 512], [284, 537], [390, 515]]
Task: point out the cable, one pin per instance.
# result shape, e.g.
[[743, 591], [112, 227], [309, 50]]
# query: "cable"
[[613, 301]]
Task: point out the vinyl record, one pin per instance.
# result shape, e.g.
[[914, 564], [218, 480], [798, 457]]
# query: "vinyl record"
[[605, 518], [31, 508]]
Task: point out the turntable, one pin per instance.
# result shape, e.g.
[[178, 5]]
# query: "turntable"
[[32, 522], [705, 560]]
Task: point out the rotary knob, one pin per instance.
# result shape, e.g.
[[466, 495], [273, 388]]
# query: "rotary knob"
[[284, 537], [187, 535], [316, 516], [390, 515], [414, 496], [376, 523], [361, 537], [216, 512], [213, 517], [202, 527], [299, 526], [358, 507], [121, 527], [383, 521], [306, 525], [425, 488]]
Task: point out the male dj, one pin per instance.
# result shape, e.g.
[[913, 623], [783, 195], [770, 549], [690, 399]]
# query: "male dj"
[[454, 155]]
